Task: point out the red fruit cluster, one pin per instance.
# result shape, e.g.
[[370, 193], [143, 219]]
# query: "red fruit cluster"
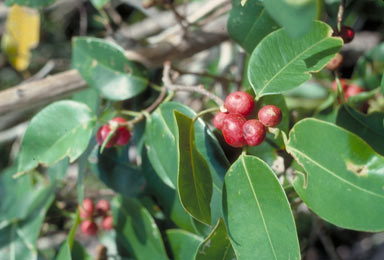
[[120, 137], [236, 129], [88, 214], [348, 90]]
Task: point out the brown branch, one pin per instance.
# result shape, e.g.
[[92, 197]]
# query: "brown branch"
[[32, 94], [197, 89]]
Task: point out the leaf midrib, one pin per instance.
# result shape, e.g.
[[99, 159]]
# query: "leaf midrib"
[[259, 207], [289, 63], [335, 175]]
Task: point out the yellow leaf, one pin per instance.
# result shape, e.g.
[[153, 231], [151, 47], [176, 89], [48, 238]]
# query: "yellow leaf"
[[22, 34]]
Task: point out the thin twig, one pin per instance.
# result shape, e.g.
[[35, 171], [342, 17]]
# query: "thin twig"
[[83, 19], [197, 89], [340, 15], [207, 75], [149, 109]]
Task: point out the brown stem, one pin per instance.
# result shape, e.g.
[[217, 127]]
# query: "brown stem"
[[149, 109], [197, 89], [340, 15], [207, 75]]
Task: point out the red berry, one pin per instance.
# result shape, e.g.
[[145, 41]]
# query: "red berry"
[[342, 82], [239, 102], [103, 133], [102, 207], [254, 132], [123, 136], [270, 115], [107, 223], [218, 120], [347, 33], [122, 133], [233, 130], [86, 209], [352, 90], [89, 227]]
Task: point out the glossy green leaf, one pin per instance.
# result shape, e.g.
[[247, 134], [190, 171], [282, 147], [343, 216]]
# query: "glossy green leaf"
[[369, 127], [249, 24], [167, 197], [104, 67], [344, 177], [115, 171], [30, 3], [217, 245], [295, 16], [90, 97], [18, 237], [183, 244], [59, 130], [257, 213], [99, 3], [20, 197], [161, 136], [194, 182], [280, 63], [136, 229]]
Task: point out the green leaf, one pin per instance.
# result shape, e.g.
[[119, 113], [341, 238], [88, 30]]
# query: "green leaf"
[[369, 127], [18, 237], [296, 16], [71, 249], [115, 171], [58, 171], [59, 130], [249, 24], [369, 68], [344, 176], [194, 182], [161, 136], [280, 63], [167, 197], [20, 197], [136, 229], [257, 213], [183, 244], [382, 84], [90, 97], [98, 4], [104, 67], [217, 245], [30, 3]]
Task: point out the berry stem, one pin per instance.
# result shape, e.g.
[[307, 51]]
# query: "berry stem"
[[141, 115], [206, 111], [197, 89], [340, 15]]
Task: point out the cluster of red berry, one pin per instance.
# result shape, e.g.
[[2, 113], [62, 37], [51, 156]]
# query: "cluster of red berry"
[[236, 129], [349, 90], [121, 134], [88, 213]]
